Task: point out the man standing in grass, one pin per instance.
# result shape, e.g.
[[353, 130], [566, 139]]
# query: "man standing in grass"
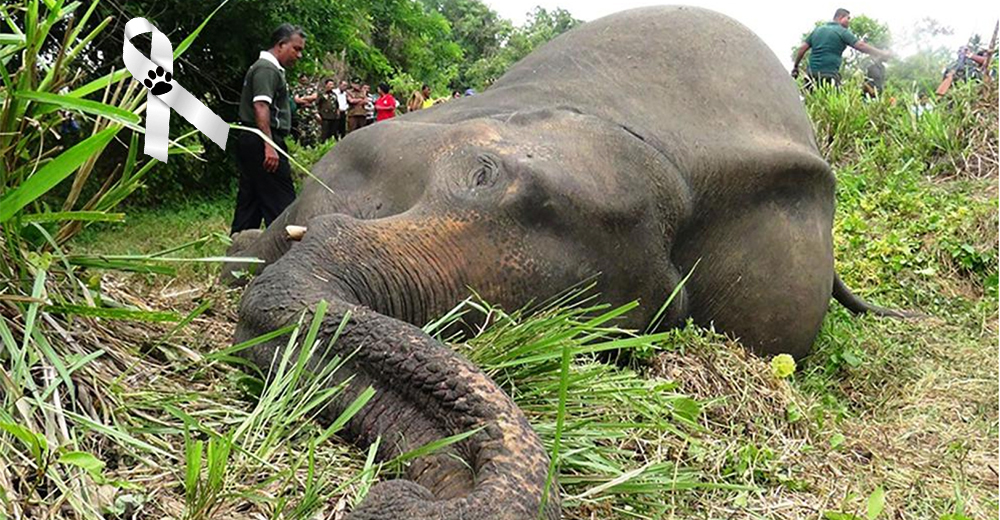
[[266, 187], [828, 42]]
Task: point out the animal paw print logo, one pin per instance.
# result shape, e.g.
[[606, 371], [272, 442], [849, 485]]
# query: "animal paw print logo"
[[158, 82]]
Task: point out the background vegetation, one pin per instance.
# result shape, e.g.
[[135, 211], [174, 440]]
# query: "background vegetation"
[[448, 44], [119, 396]]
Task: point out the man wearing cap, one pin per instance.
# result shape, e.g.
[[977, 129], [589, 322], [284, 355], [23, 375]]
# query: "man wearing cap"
[[828, 42], [328, 108], [266, 187], [356, 100]]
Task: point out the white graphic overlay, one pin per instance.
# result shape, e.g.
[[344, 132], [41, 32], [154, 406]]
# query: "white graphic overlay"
[[156, 73]]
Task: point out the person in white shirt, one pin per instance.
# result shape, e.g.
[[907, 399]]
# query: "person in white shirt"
[[340, 123]]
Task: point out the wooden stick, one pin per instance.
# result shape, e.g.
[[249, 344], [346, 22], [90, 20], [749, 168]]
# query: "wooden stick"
[[989, 53], [945, 84]]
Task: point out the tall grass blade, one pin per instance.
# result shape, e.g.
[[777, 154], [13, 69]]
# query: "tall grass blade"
[[86, 106], [53, 173], [115, 314]]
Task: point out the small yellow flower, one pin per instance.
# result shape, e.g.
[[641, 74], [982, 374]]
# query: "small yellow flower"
[[782, 366]]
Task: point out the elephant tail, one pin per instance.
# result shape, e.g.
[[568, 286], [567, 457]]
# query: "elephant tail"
[[843, 294]]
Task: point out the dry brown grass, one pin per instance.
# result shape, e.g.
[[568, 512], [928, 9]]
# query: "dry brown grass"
[[921, 421], [924, 430], [982, 161]]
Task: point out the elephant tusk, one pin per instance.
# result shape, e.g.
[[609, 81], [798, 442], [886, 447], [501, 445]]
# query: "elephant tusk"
[[295, 232]]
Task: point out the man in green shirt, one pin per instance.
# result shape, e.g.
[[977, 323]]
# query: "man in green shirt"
[[266, 187], [828, 42]]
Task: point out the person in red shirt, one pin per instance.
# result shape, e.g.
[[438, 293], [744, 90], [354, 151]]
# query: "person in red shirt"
[[385, 105]]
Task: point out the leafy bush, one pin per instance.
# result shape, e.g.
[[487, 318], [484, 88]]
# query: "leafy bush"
[[48, 438]]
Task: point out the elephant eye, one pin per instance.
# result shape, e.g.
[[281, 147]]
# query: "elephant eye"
[[486, 173]]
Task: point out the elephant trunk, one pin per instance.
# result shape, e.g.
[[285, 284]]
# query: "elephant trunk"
[[424, 390]]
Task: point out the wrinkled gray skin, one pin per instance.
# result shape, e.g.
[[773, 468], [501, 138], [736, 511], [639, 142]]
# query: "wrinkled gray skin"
[[640, 147]]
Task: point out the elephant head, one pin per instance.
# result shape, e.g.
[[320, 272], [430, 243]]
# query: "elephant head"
[[513, 207]]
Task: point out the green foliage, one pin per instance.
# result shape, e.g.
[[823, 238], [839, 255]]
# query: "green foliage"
[[896, 130], [308, 156], [874, 506], [477, 29], [872, 31], [402, 85], [40, 151], [549, 359], [32, 162], [542, 25], [448, 44], [904, 236], [920, 72], [415, 41]]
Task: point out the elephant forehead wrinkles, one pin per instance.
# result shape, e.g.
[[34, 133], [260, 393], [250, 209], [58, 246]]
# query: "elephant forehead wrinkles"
[[474, 133]]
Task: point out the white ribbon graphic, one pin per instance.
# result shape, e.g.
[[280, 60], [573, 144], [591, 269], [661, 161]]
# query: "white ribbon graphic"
[[157, 76]]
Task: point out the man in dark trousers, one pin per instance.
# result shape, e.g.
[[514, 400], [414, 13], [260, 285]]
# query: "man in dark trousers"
[[266, 187], [328, 109], [828, 42]]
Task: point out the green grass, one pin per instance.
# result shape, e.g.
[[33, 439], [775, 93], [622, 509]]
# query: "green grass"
[[107, 417], [699, 427], [153, 230]]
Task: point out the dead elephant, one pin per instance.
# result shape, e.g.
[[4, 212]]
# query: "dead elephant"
[[634, 147]]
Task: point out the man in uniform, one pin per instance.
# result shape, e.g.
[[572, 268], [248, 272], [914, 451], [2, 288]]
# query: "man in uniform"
[[828, 42], [305, 97], [328, 109], [356, 100], [266, 187]]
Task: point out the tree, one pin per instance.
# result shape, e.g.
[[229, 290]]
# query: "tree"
[[415, 41], [373, 40], [477, 29], [542, 25], [921, 72]]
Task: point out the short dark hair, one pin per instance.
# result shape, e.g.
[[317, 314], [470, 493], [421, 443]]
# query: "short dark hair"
[[840, 13], [424, 86], [328, 80], [284, 32], [383, 87]]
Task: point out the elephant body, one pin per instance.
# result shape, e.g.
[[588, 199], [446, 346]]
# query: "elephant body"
[[637, 148]]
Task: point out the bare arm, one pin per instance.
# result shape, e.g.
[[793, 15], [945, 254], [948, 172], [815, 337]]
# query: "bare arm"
[[798, 58], [874, 51], [262, 114]]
